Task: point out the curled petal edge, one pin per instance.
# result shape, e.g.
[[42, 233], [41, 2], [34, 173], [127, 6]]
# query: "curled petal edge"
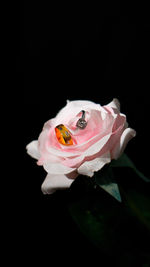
[[54, 182], [32, 149], [89, 167], [126, 136]]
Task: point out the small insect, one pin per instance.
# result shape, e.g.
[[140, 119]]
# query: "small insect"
[[63, 135]]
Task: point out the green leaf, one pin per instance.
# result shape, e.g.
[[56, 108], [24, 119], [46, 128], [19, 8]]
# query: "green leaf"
[[140, 206], [112, 189], [125, 161], [121, 229], [135, 193], [111, 226], [92, 216], [105, 179]]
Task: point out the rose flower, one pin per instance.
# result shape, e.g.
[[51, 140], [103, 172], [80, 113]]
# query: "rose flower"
[[81, 139]]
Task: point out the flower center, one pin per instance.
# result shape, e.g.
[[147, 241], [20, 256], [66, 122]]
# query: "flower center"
[[63, 135]]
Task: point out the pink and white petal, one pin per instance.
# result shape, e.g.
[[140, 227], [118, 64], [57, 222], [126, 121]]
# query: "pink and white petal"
[[93, 128], [48, 124], [96, 142], [89, 167], [73, 108], [54, 182], [96, 147], [57, 168], [63, 153], [120, 120], [126, 136], [32, 149], [73, 161], [114, 104]]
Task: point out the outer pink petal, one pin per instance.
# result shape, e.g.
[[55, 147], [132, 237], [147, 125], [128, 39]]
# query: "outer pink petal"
[[89, 167], [54, 182], [74, 161], [57, 168], [90, 153], [32, 149], [96, 147], [114, 104], [126, 136], [48, 124]]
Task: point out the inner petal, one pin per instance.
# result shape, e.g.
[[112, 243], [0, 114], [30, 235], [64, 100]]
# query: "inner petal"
[[94, 126]]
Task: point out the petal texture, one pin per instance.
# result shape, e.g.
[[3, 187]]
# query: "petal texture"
[[53, 182], [114, 104], [57, 168], [32, 149], [104, 138], [89, 167], [126, 136]]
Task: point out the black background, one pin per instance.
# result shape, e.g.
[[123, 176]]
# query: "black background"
[[73, 52]]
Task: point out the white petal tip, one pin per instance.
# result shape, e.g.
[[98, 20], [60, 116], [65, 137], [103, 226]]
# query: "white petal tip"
[[114, 104], [133, 133], [89, 167], [55, 182], [32, 149]]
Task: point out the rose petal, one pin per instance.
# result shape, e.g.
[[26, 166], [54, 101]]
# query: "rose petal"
[[126, 136], [73, 162], [95, 142], [119, 121], [89, 167], [53, 182], [73, 108], [96, 147], [94, 127], [48, 124], [114, 104], [32, 149], [57, 168]]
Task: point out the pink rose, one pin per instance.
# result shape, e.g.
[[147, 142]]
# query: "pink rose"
[[94, 135]]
